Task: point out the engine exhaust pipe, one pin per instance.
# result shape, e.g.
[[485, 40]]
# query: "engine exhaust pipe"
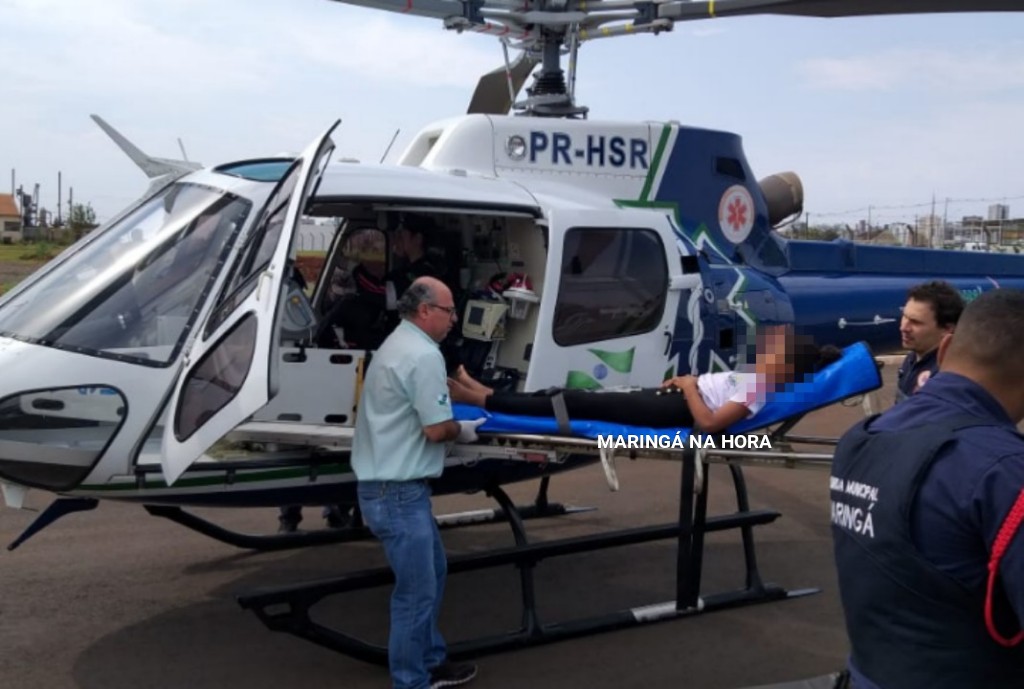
[[784, 194]]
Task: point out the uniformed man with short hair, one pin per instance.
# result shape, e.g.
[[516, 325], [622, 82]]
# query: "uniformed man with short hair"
[[927, 504], [931, 311]]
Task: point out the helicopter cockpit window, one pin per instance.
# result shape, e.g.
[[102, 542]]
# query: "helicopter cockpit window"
[[216, 378], [134, 292], [258, 250], [613, 284]]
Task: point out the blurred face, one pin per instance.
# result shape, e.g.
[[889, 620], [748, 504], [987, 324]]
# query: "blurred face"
[[407, 244], [398, 242], [438, 317], [775, 356], [918, 330]]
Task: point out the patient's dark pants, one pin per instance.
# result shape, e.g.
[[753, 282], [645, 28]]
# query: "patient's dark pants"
[[637, 408]]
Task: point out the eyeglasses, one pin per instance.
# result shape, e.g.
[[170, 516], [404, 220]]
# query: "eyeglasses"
[[450, 310]]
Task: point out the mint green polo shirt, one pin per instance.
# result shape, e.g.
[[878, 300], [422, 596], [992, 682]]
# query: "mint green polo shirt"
[[405, 389]]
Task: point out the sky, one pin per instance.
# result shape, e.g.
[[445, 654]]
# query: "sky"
[[884, 113]]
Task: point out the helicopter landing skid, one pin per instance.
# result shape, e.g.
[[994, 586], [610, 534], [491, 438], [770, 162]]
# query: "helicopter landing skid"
[[287, 609], [541, 508]]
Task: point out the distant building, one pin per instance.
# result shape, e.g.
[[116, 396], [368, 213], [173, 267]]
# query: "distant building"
[[974, 229], [998, 211], [1011, 231], [884, 237], [10, 219], [970, 229], [902, 232], [929, 230]]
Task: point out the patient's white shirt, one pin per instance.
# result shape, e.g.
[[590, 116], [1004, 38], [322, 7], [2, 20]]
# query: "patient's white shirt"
[[748, 389]]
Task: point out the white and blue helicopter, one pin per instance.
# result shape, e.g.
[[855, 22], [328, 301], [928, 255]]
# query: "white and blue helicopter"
[[173, 358], [630, 250]]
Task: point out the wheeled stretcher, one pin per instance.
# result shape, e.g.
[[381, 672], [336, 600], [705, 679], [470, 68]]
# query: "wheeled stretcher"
[[854, 375], [542, 440]]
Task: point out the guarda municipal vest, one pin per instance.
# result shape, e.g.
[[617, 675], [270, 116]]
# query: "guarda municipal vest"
[[911, 626]]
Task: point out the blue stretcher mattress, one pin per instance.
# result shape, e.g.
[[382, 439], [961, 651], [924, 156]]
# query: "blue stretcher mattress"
[[853, 374]]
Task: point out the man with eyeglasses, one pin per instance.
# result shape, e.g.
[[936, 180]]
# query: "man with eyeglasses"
[[403, 423]]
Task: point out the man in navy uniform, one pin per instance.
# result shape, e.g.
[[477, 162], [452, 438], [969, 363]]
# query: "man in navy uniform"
[[931, 311], [927, 504]]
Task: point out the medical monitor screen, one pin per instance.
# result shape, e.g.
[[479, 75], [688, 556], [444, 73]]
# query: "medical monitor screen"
[[484, 320]]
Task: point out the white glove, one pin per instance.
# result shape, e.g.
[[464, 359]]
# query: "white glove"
[[467, 430]]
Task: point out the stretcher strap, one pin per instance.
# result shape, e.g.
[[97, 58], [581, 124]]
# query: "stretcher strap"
[[1006, 533], [561, 413]]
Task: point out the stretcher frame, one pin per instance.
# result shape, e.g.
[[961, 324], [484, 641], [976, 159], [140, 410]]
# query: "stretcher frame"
[[287, 609]]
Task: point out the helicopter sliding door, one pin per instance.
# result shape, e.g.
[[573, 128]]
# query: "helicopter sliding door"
[[231, 371], [618, 279]]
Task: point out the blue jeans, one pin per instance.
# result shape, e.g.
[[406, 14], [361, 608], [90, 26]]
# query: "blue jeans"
[[399, 514]]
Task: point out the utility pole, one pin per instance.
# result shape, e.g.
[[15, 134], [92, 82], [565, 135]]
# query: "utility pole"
[[945, 219], [931, 225]]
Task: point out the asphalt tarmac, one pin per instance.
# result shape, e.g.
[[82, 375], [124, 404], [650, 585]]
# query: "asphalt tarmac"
[[117, 599]]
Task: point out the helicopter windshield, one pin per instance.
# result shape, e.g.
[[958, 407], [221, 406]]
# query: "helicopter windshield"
[[134, 292]]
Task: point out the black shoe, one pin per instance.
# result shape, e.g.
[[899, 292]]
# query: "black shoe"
[[451, 674], [339, 518], [287, 526]]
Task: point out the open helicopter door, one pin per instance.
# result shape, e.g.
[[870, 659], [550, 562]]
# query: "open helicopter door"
[[231, 370], [618, 280]]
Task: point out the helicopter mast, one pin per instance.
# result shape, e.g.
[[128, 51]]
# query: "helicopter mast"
[[549, 95]]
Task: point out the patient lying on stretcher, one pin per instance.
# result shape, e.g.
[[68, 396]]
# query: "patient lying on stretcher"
[[710, 402]]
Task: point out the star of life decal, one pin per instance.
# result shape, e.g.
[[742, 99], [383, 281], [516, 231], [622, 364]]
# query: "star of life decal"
[[736, 213]]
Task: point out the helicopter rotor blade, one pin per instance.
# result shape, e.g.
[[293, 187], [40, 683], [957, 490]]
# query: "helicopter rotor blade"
[[544, 27], [438, 9], [685, 10], [492, 95], [524, 20]]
